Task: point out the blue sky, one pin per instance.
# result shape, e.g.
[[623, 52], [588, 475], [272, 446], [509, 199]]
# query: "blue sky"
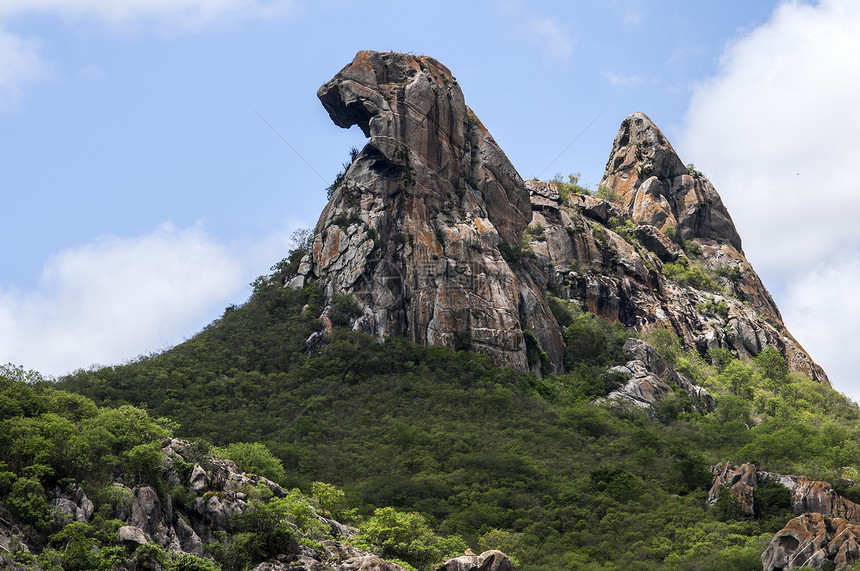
[[143, 192]]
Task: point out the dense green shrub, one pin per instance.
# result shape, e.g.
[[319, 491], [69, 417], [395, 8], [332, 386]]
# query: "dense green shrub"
[[690, 273], [253, 457]]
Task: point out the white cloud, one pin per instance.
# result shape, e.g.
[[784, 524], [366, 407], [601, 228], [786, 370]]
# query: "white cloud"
[[821, 308], [174, 12], [547, 33], [628, 80], [116, 298], [776, 131], [19, 64]]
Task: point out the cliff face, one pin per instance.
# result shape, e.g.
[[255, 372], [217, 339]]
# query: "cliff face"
[[660, 252], [438, 238], [415, 231]]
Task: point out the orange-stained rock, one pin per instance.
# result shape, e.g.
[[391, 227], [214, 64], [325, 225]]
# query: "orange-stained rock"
[[741, 481], [807, 495], [425, 225], [811, 540], [415, 232]]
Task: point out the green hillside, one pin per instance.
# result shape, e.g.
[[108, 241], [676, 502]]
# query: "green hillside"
[[501, 458]]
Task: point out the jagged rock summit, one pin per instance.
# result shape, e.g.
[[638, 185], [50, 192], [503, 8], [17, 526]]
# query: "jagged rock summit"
[[435, 235], [417, 228]]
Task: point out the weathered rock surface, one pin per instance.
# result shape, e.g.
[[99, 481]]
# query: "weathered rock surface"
[[427, 226], [415, 231], [812, 540], [492, 560], [218, 491], [649, 374], [659, 195], [608, 255], [807, 495]]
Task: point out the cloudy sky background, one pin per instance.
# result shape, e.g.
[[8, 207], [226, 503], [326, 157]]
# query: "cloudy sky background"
[[142, 192]]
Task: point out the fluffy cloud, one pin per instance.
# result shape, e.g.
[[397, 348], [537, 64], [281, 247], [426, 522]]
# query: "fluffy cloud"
[[822, 309], [116, 298], [183, 12], [19, 64], [776, 131], [547, 33]]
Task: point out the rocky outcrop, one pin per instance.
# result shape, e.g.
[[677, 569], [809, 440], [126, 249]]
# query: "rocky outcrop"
[[72, 505], [207, 493], [608, 254], [813, 496], [740, 481], [438, 239], [648, 375], [812, 540], [492, 560], [419, 228]]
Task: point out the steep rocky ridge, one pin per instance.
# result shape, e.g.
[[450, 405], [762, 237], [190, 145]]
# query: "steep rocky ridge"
[[438, 238], [415, 229], [609, 255]]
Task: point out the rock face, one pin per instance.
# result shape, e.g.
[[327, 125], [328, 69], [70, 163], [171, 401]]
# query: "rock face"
[[492, 560], [417, 228], [807, 495], [813, 540], [438, 239], [668, 202], [216, 491], [828, 531], [649, 374]]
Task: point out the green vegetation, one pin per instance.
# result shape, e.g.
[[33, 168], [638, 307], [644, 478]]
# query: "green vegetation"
[[566, 189], [534, 230], [488, 456], [338, 178], [254, 458], [714, 308], [626, 229], [463, 453], [607, 193], [689, 273]]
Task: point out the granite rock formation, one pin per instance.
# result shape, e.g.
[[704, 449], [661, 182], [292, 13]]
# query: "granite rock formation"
[[215, 495], [827, 531], [648, 376], [813, 496], [811, 540], [435, 235], [417, 229]]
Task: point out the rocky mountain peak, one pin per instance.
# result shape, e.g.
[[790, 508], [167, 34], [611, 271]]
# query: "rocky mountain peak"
[[437, 238], [657, 189], [419, 228]]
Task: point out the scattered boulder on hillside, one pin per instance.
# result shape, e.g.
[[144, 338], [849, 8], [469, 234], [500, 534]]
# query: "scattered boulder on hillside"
[[741, 482], [648, 375], [812, 540], [813, 496], [492, 560]]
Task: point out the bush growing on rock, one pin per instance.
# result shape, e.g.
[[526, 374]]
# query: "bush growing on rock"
[[253, 457]]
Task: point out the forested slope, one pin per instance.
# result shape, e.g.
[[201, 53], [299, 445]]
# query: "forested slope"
[[502, 458]]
